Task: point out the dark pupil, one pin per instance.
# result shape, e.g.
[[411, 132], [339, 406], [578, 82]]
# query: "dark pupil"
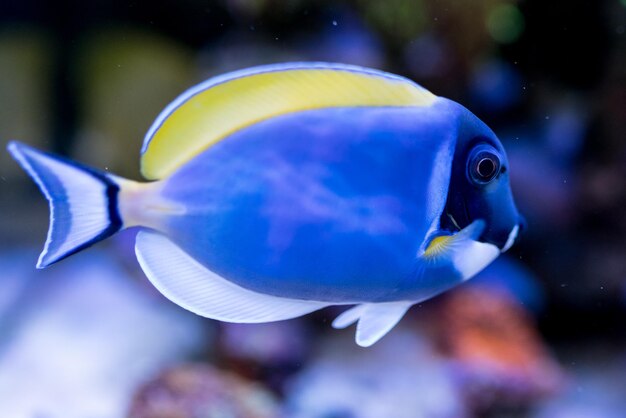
[[486, 167]]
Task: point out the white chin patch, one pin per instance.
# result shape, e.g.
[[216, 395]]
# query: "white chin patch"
[[511, 239]]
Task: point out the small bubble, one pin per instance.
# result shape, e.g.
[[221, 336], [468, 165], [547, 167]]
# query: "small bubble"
[[547, 117], [334, 23], [563, 285]]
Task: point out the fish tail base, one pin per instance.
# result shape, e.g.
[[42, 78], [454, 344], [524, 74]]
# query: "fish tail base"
[[83, 202]]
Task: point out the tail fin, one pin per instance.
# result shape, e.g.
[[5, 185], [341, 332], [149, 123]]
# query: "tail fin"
[[83, 202]]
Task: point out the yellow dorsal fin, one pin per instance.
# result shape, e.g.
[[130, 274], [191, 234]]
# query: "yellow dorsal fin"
[[214, 109]]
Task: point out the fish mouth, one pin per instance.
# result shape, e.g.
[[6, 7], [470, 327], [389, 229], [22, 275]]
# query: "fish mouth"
[[511, 238], [460, 219]]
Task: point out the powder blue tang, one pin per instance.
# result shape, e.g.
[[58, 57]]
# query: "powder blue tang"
[[283, 189], [348, 208]]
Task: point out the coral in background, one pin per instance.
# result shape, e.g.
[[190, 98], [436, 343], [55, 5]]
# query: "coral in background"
[[201, 391], [497, 358]]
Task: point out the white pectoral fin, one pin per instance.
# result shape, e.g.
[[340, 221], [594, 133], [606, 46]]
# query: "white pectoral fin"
[[189, 284], [474, 258], [374, 320], [463, 250]]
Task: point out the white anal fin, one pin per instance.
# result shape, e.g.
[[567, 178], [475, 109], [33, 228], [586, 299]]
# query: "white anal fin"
[[375, 320], [189, 284]]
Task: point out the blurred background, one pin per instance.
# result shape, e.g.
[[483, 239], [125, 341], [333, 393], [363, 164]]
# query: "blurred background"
[[540, 333]]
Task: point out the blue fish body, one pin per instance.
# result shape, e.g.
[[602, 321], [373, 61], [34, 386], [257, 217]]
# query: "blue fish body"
[[284, 189], [310, 197]]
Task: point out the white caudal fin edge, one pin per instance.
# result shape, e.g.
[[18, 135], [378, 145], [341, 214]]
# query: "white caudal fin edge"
[[375, 320], [82, 202], [186, 282]]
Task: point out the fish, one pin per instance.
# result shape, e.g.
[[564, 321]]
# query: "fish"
[[278, 190]]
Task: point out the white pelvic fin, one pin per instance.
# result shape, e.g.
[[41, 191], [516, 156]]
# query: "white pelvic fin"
[[83, 202], [374, 320], [377, 320], [189, 284], [349, 317]]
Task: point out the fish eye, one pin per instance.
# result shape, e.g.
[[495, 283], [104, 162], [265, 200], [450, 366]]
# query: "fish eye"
[[483, 164]]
